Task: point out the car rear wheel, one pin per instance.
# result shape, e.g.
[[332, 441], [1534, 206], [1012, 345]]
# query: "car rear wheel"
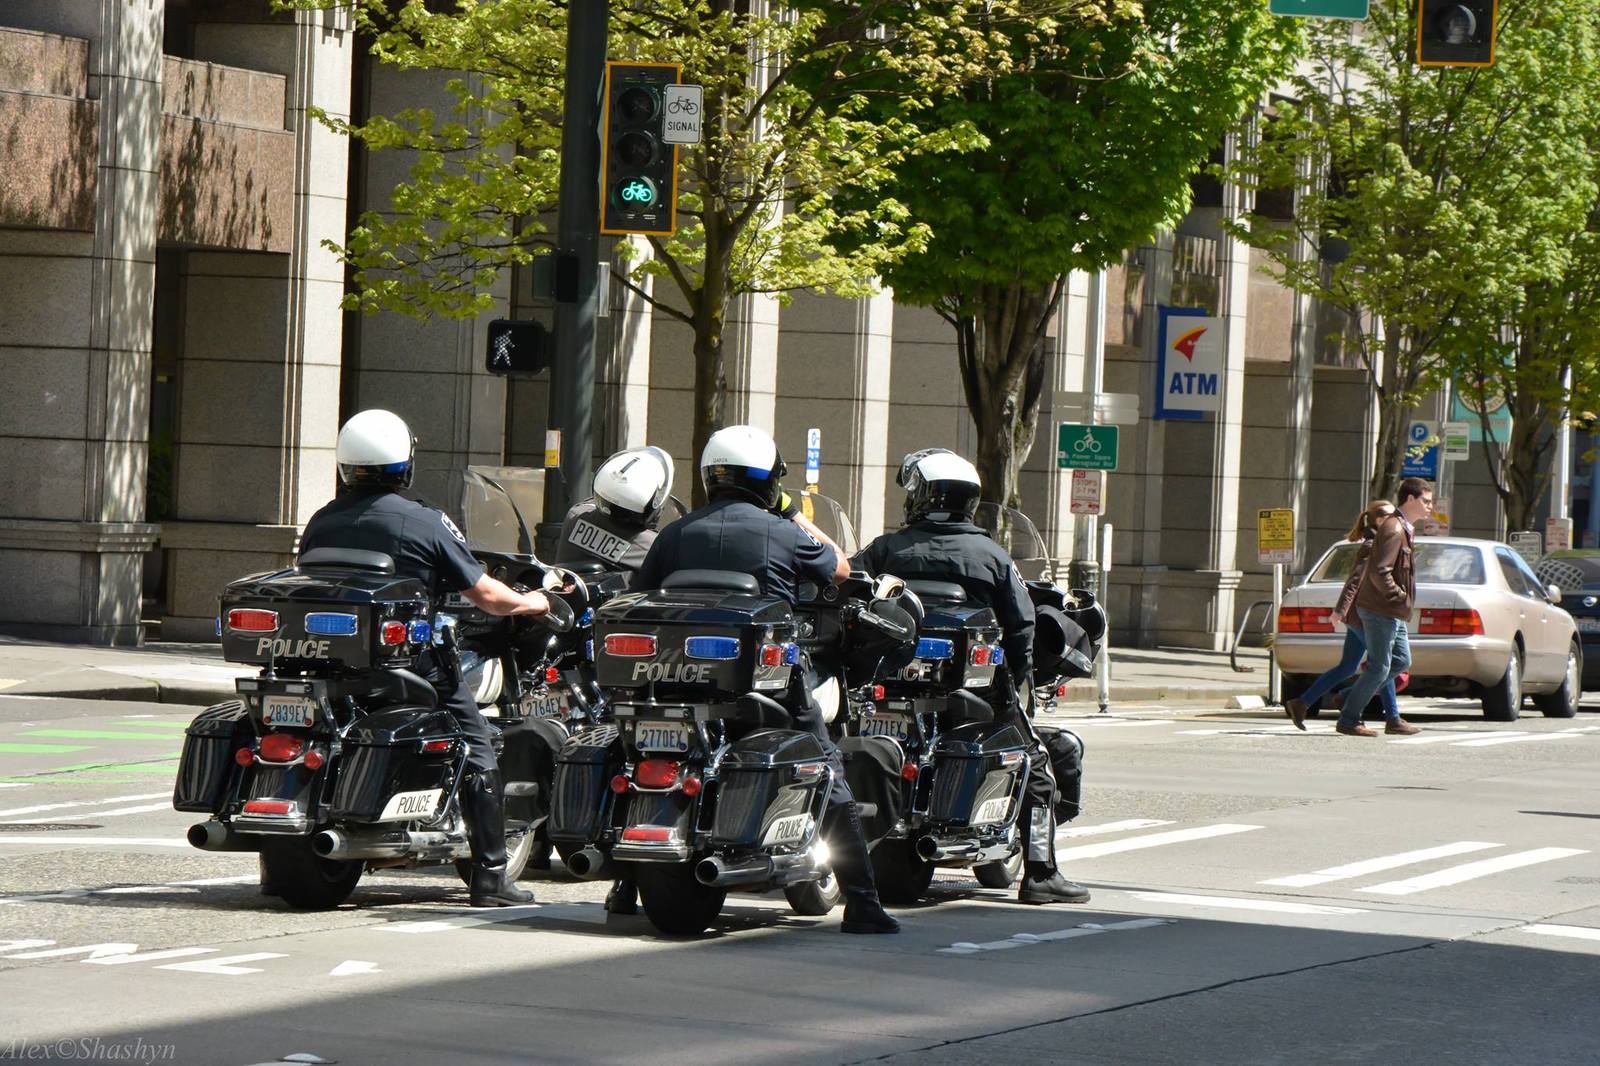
[[1563, 703], [1502, 701]]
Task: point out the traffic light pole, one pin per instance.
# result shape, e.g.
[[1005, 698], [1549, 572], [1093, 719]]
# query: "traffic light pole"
[[577, 262]]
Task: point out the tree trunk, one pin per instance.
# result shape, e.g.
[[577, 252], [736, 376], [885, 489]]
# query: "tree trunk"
[[1002, 353], [1393, 417], [710, 382]]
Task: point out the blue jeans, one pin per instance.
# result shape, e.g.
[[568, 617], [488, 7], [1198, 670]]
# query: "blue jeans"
[[1388, 655], [1355, 646]]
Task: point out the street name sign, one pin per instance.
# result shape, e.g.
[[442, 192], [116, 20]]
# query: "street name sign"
[[1320, 9], [1087, 491], [1275, 536], [682, 105], [1080, 447]]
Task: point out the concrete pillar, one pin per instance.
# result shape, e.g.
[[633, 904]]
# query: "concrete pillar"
[[75, 331]]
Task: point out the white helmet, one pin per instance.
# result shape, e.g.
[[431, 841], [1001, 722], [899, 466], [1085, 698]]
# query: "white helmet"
[[632, 485], [938, 480], [376, 448], [745, 460]]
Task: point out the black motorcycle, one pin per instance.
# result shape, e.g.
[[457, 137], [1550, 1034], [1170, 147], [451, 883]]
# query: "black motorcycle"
[[337, 757], [700, 781]]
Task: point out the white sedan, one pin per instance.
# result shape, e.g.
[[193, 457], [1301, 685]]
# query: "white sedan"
[[1483, 625]]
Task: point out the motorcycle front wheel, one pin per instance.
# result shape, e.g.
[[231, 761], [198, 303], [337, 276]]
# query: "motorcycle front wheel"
[[1001, 874], [520, 843], [302, 878], [674, 901]]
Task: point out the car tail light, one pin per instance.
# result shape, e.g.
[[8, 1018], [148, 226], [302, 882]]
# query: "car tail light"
[[692, 786], [314, 759], [244, 757], [281, 747], [1305, 620], [620, 784], [980, 655], [630, 644], [393, 633], [647, 834], [551, 675], [656, 773], [248, 621], [1451, 621], [909, 771], [268, 807]]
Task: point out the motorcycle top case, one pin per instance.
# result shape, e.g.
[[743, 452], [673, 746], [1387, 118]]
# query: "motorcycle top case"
[[964, 627], [207, 762], [348, 607], [762, 799], [387, 776], [695, 641], [971, 770]]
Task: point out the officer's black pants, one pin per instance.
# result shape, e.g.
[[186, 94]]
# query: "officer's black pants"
[[1037, 817], [841, 823], [457, 699]]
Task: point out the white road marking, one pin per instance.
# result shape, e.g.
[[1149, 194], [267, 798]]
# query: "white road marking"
[[1257, 731], [57, 838], [145, 808], [1468, 871], [1383, 862], [1431, 737], [350, 967], [14, 784], [150, 956], [1022, 940], [182, 886], [1575, 932], [1517, 738], [86, 803], [1110, 827], [504, 914], [18, 945], [1149, 840], [226, 966], [1125, 723], [1238, 903]]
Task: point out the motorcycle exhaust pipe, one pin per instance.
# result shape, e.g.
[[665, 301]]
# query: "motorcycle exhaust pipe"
[[344, 846], [717, 873], [927, 849], [930, 850], [590, 864], [214, 836]]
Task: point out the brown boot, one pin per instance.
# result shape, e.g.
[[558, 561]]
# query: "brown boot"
[[1356, 730], [1296, 710], [1399, 727]]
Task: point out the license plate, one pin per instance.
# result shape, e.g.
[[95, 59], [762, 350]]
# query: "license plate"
[[543, 707], [1588, 625], [897, 726], [288, 710], [456, 601], [662, 736]]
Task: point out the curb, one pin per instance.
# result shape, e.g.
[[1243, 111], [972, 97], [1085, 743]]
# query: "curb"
[[131, 690], [1124, 693]]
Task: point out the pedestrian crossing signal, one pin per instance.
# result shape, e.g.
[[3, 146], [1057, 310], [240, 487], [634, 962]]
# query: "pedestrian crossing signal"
[[1456, 33], [517, 347]]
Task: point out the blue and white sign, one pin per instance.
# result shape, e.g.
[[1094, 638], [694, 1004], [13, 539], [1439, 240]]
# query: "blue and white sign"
[[1190, 364], [813, 455], [1422, 451]]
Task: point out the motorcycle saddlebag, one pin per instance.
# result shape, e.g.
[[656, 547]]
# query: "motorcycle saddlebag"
[[1061, 648], [386, 775], [872, 766], [584, 767], [528, 755], [763, 798], [1066, 761], [207, 763], [974, 773]]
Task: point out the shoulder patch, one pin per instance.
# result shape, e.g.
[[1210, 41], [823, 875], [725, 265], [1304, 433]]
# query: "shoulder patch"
[[451, 526]]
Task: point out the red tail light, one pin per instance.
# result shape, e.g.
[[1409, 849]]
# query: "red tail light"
[[246, 621], [268, 807], [980, 655], [1305, 620], [551, 675], [1452, 621], [656, 773], [771, 655], [393, 633], [878, 692], [692, 786], [620, 784], [281, 747], [314, 759], [244, 757], [909, 771], [631, 644], [435, 747], [647, 834]]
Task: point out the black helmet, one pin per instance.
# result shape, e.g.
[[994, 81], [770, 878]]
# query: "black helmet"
[[742, 460], [939, 482]]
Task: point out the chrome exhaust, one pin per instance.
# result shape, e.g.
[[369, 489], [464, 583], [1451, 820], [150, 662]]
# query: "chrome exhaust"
[[214, 836], [931, 850], [590, 864], [344, 845], [715, 872]]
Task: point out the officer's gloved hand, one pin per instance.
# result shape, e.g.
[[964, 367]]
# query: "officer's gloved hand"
[[787, 506]]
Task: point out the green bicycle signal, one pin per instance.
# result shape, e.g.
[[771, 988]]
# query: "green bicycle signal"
[[636, 192]]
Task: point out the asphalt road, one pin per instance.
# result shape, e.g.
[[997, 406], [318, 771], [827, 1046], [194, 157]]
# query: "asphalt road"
[[1260, 896]]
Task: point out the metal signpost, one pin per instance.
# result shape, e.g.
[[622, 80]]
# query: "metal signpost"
[[1275, 548], [1103, 673]]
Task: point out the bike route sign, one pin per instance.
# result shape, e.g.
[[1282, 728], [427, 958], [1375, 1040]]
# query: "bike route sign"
[[1080, 447], [1320, 9]]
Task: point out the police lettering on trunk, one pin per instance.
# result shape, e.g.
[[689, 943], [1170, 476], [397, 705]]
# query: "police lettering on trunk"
[[679, 673], [281, 647]]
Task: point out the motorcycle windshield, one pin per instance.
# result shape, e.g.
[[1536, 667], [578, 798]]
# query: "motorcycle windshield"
[[500, 506], [829, 517], [1016, 533]]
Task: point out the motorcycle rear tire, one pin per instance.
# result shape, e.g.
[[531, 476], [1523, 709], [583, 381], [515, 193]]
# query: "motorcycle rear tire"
[[305, 880], [674, 901], [814, 898], [902, 876], [1000, 874], [519, 849]]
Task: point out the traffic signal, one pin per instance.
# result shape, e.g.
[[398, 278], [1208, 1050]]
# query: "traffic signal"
[[638, 166], [1456, 33], [517, 347]]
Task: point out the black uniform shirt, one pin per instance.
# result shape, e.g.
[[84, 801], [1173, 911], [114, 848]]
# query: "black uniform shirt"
[[424, 543], [589, 535], [962, 553], [731, 534]]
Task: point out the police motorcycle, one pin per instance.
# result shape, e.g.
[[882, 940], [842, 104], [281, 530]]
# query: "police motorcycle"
[[942, 780], [337, 757], [700, 780]]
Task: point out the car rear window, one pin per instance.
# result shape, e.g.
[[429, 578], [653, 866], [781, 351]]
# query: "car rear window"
[[1437, 564]]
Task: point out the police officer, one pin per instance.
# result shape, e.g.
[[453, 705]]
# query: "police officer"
[[941, 543], [752, 526], [376, 456], [616, 528]]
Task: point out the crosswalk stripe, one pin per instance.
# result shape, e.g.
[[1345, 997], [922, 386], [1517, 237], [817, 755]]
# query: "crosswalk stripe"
[[1125, 723], [117, 812], [1510, 738], [1149, 840], [1110, 827], [1575, 932], [1442, 738], [1454, 875], [1241, 903], [82, 803], [1383, 862]]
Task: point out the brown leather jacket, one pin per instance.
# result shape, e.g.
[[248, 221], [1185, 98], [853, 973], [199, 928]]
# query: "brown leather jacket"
[[1389, 579]]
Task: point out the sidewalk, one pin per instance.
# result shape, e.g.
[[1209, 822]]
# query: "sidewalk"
[[195, 674]]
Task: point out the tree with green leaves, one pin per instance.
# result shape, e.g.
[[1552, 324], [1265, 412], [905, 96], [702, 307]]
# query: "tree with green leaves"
[[784, 122], [1441, 200], [1089, 142]]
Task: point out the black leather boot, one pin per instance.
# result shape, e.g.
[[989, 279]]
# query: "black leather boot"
[[1048, 886], [863, 912], [483, 806], [623, 897]]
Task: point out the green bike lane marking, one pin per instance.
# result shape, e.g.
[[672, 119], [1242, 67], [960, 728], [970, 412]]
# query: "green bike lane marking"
[[95, 734], [7, 748]]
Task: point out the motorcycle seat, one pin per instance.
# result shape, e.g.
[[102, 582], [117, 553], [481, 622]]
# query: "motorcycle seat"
[[938, 591], [720, 580], [348, 558]]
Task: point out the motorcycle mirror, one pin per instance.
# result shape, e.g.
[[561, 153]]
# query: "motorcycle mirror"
[[887, 586]]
